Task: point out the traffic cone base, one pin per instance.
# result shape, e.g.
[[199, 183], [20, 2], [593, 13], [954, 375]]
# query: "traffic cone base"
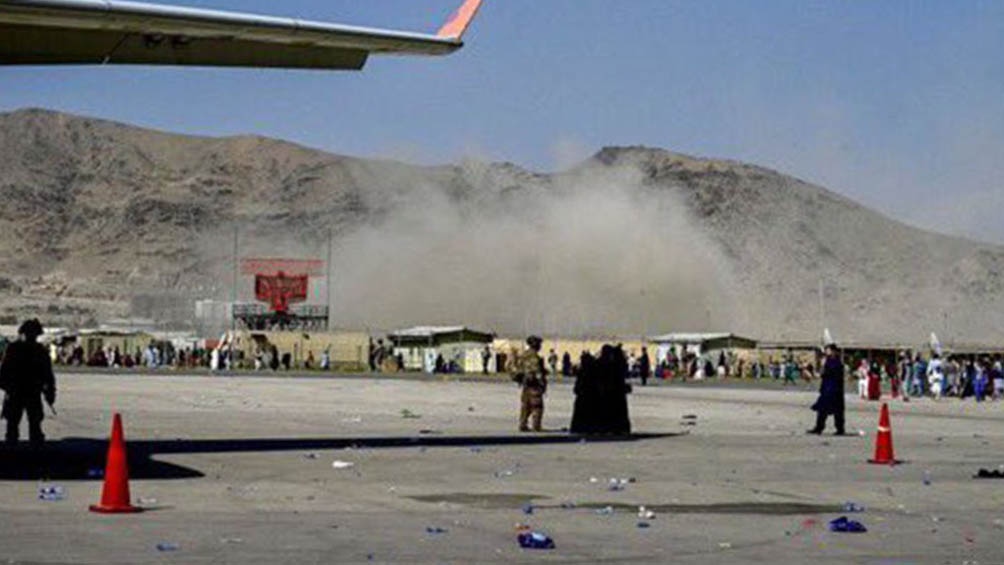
[[115, 509], [115, 492]]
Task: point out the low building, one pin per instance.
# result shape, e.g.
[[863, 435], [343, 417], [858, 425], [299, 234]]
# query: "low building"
[[460, 347], [700, 344], [348, 350]]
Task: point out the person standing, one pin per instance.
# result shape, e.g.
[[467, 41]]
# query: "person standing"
[[25, 377], [566, 365], [530, 374], [644, 366], [486, 357], [831, 393], [552, 362]]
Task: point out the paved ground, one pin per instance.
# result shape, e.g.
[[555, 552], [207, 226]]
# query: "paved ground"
[[239, 470]]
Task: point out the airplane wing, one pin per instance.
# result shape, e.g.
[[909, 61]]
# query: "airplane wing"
[[64, 32]]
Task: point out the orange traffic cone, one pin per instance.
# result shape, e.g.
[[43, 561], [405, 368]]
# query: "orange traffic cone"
[[883, 440], [115, 494]]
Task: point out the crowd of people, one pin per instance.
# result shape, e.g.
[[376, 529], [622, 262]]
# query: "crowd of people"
[[936, 376]]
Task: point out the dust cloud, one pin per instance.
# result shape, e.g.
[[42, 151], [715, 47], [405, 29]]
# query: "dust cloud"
[[587, 253]]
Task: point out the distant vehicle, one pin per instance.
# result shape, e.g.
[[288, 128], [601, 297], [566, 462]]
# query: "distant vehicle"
[[113, 32]]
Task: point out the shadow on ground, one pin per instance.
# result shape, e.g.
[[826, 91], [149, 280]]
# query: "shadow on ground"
[[84, 459]]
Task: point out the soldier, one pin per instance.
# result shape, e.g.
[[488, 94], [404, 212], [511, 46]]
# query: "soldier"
[[530, 374], [25, 376]]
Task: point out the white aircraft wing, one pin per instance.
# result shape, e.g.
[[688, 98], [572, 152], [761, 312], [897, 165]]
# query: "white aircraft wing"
[[61, 32]]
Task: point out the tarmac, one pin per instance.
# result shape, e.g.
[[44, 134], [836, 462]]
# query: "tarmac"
[[240, 470]]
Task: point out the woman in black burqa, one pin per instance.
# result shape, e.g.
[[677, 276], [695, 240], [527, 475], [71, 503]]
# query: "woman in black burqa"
[[601, 394]]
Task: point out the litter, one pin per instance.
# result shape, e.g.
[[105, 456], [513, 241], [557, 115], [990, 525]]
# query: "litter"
[[927, 478], [51, 494], [146, 501], [853, 507], [167, 546], [593, 480], [408, 414], [988, 474], [644, 525], [229, 541], [535, 540], [848, 526], [615, 484], [568, 505], [475, 449], [605, 511], [435, 530], [343, 465], [507, 472], [725, 545], [528, 509], [353, 420], [310, 456], [645, 513]]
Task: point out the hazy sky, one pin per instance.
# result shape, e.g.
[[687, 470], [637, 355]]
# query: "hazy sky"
[[899, 105]]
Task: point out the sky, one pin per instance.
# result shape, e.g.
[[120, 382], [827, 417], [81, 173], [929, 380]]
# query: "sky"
[[896, 104]]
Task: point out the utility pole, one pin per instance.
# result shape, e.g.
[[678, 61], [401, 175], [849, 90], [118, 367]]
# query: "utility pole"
[[233, 296], [330, 281], [822, 305]]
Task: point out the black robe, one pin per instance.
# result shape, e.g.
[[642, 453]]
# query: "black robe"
[[831, 389]]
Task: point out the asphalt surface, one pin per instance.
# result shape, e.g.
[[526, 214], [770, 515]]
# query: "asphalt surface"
[[240, 470]]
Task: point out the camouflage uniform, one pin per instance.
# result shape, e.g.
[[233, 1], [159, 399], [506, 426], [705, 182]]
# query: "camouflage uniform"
[[529, 372]]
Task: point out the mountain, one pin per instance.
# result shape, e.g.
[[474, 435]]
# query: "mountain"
[[104, 220]]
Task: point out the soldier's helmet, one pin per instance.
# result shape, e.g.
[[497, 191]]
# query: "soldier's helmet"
[[32, 328], [534, 341]]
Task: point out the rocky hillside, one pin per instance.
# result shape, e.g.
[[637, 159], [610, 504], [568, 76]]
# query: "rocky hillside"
[[105, 220]]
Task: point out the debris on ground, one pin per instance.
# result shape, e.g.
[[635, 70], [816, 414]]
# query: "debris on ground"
[[353, 420], [507, 472], [534, 540], [605, 511], [409, 415], [231, 541], [167, 546], [645, 513], [310, 456], [143, 501], [51, 493], [568, 505], [988, 474], [435, 530], [343, 464], [644, 525], [927, 478], [853, 507], [528, 509], [845, 525], [725, 545]]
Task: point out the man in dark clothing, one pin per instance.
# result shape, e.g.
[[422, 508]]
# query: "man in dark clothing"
[[486, 357], [644, 366], [25, 377], [566, 365], [831, 393]]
